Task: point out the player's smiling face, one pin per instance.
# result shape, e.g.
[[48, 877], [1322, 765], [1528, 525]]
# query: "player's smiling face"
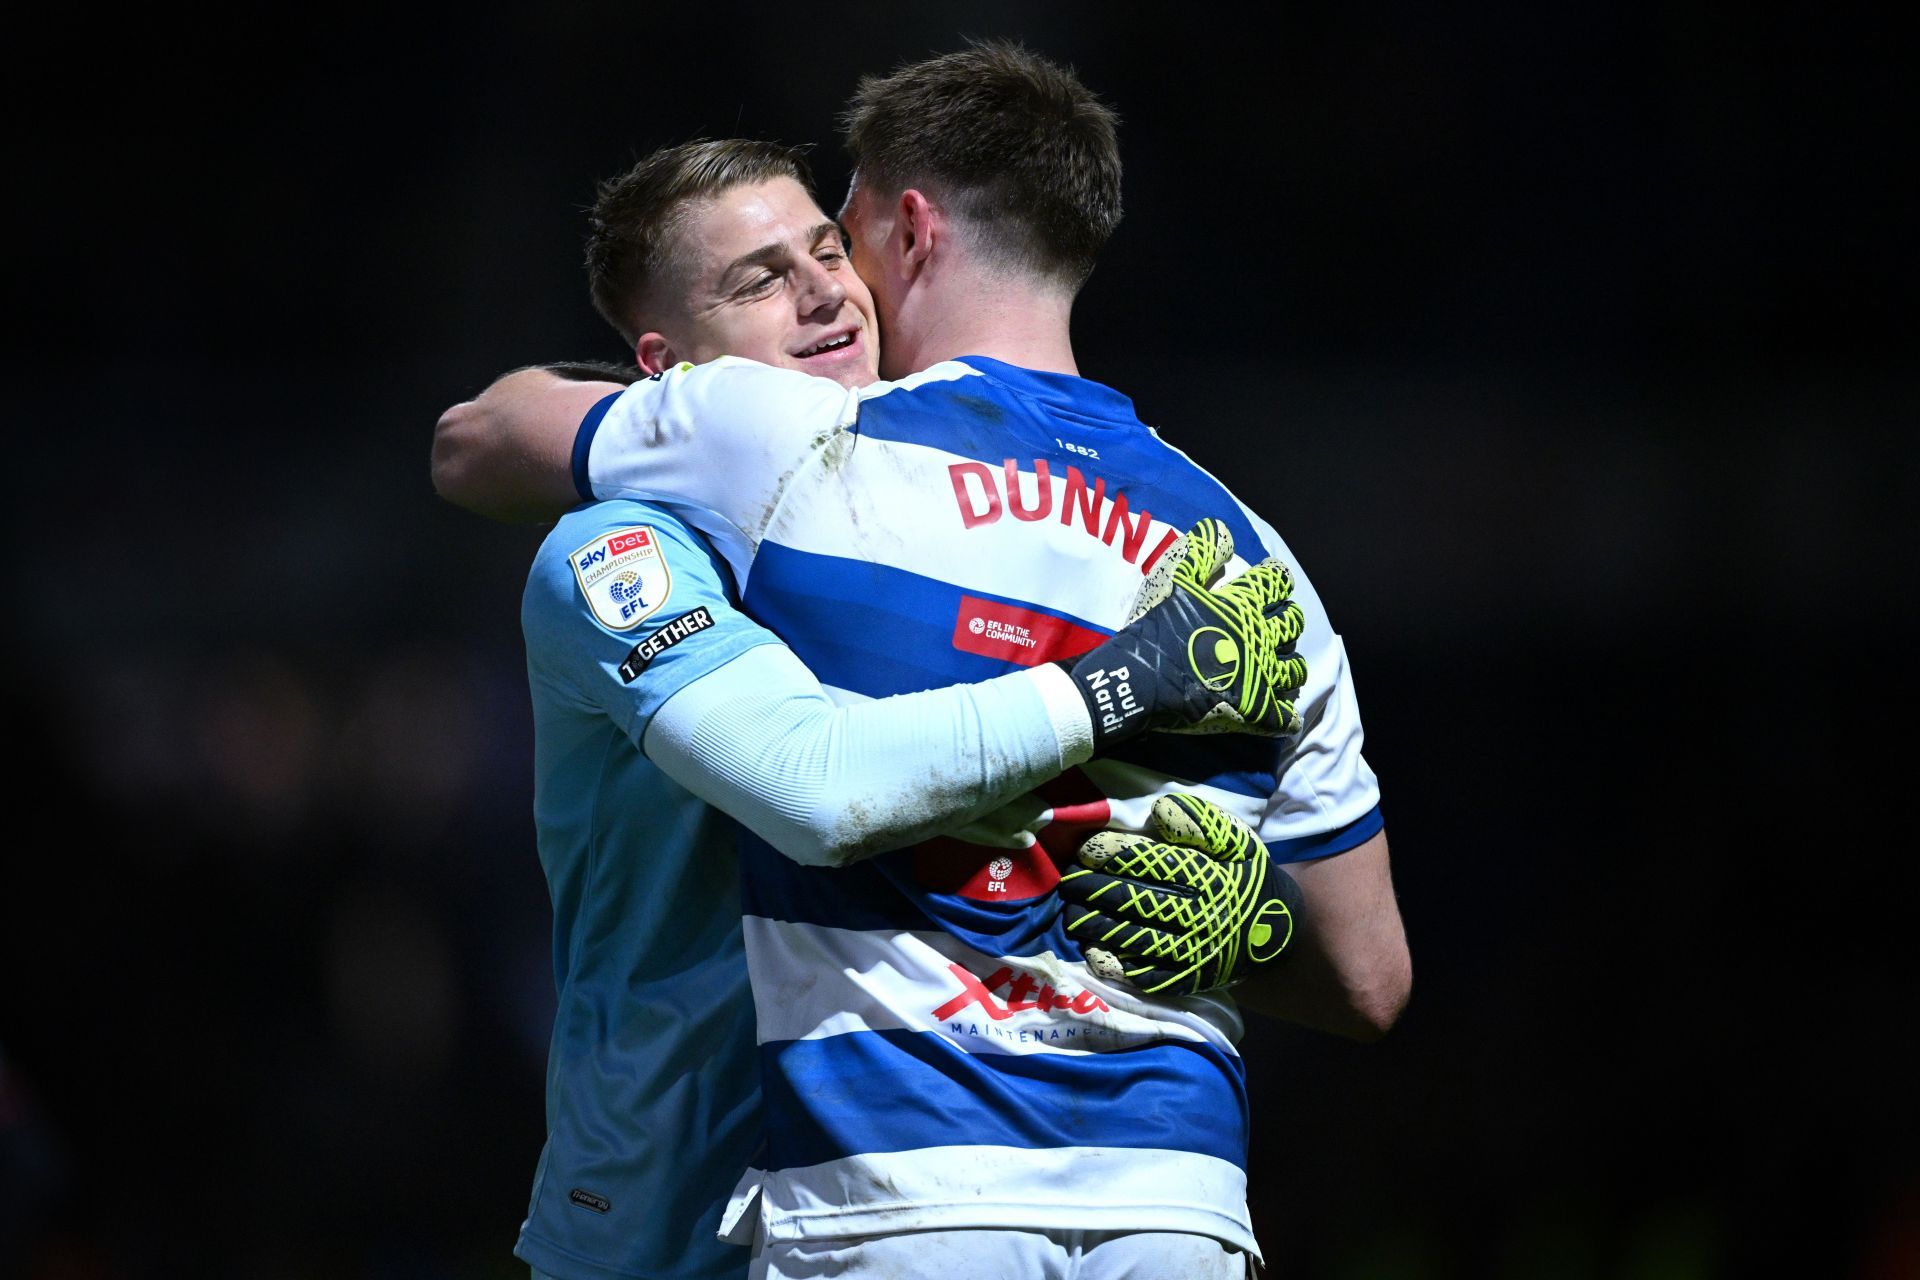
[[768, 278]]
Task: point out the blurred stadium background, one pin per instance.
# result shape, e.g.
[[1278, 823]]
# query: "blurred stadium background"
[[1572, 351]]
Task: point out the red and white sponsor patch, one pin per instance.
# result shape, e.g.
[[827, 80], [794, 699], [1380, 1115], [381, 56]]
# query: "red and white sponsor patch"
[[624, 576], [994, 629]]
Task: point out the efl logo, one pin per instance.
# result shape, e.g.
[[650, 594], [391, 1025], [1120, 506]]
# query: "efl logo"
[[623, 576], [626, 542], [983, 873], [1024, 994]]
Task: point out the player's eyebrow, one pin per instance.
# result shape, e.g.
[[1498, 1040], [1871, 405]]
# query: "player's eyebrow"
[[765, 256], [769, 254]]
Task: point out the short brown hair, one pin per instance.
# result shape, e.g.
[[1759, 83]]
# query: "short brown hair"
[[1013, 143], [636, 215]]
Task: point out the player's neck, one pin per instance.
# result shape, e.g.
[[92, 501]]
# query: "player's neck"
[[1021, 326]]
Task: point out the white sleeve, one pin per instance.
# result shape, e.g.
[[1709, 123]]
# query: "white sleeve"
[[827, 784], [1327, 785], [717, 443]]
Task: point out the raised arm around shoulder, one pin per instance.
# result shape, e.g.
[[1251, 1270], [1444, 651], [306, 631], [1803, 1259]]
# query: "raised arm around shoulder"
[[1350, 972], [507, 453]]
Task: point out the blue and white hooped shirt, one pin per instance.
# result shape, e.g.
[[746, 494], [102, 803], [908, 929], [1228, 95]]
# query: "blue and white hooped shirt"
[[934, 1052]]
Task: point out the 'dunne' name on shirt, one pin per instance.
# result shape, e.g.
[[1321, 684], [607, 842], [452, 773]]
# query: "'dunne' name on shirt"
[[983, 499]]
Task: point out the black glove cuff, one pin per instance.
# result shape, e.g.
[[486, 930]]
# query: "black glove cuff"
[[1106, 681]]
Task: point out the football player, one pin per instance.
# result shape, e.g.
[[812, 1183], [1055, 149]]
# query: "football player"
[[955, 1072], [651, 690]]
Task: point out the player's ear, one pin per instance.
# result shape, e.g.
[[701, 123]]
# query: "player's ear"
[[918, 225], [654, 354]]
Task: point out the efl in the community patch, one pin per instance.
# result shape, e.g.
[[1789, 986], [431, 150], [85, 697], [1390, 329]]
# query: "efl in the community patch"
[[624, 576]]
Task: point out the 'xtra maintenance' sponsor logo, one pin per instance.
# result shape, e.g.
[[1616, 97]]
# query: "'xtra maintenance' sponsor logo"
[[1024, 994]]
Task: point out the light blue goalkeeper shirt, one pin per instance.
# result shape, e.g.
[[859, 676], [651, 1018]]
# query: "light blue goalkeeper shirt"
[[652, 1093]]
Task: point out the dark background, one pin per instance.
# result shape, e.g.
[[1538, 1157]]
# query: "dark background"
[[1572, 352]]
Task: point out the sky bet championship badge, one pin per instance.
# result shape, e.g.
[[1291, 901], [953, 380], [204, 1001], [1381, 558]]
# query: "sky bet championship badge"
[[624, 576]]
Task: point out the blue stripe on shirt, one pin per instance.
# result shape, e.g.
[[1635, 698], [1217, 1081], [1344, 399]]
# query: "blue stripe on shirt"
[[1172, 1095], [775, 887], [1327, 843], [870, 628], [583, 444], [884, 893]]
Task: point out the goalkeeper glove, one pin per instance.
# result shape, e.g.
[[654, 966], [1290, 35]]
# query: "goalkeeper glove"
[[1196, 910], [1199, 654]]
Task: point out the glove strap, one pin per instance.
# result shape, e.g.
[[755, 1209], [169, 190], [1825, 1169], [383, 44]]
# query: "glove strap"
[[1141, 678], [1105, 680]]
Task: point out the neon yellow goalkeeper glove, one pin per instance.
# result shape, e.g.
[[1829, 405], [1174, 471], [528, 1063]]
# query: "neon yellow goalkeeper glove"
[[1198, 909], [1200, 655]]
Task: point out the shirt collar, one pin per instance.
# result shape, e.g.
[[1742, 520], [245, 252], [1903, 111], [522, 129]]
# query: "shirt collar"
[[1062, 391]]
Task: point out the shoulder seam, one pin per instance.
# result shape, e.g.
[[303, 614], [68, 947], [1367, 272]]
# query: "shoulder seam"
[[945, 371]]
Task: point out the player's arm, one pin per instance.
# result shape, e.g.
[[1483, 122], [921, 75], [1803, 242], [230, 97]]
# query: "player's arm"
[[827, 784], [718, 442], [1348, 969], [1352, 973], [507, 453], [627, 615], [732, 715]]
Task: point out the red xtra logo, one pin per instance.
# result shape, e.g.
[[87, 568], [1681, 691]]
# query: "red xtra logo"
[[626, 542], [1014, 634], [1023, 994]]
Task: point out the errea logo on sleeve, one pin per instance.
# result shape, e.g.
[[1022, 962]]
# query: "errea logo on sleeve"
[[624, 576]]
